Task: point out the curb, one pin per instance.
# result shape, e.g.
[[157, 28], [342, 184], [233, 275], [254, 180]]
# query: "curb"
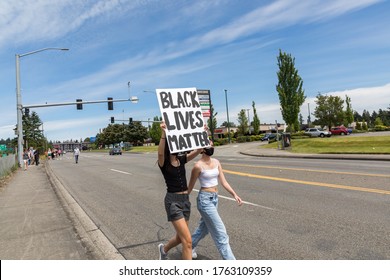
[[97, 244], [322, 156]]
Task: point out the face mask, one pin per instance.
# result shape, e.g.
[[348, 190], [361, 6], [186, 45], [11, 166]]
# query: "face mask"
[[209, 151]]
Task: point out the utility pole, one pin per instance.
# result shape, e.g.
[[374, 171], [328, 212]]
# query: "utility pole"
[[227, 114], [19, 106], [249, 122]]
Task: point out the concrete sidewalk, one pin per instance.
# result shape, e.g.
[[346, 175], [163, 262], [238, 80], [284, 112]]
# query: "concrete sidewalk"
[[33, 222]]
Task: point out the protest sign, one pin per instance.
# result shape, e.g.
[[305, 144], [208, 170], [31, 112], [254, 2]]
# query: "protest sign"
[[182, 113]]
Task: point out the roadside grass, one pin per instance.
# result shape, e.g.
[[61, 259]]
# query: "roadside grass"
[[339, 145], [144, 149], [332, 145], [134, 149]]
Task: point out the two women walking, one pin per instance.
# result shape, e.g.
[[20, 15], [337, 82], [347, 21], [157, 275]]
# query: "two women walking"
[[178, 206]]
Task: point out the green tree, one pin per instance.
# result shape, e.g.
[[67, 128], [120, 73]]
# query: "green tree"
[[300, 120], [256, 120], [32, 133], [357, 117], [373, 117], [136, 133], [231, 124], [384, 116], [329, 110], [378, 121], [289, 88], [366, 118], [243, 127], [348, 112], [112, 134], [212, 121], [155, 130]]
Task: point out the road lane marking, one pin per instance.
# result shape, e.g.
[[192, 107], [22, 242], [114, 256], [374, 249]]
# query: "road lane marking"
[[221, 196], [308, 183], [309, 170], [123, 172], [243, 202]]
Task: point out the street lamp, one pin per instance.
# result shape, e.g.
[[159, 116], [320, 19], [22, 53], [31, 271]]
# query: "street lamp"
[[249, 122], [19, 106], [227, 114]]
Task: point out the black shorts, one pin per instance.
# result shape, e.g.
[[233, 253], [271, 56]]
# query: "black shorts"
[[177, 206]]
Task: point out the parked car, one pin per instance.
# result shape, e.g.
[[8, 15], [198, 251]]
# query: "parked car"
[[339, 130], [317, 132], [115, 151], [268, 136]]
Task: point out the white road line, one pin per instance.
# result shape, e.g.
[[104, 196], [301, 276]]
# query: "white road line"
[[221, 196], [243, 202], [123, 172]]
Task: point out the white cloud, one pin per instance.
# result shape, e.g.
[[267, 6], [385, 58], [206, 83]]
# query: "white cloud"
[[31, 21], [371, 99]]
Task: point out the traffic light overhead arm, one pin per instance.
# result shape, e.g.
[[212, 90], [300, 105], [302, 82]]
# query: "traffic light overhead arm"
[[75, 103]]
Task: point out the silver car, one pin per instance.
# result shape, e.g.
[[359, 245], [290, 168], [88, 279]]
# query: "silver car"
[[317, 132], [115, 151]]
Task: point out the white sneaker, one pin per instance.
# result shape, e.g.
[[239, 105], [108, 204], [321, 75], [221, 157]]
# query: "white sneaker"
[[162, 254], [194, 254]]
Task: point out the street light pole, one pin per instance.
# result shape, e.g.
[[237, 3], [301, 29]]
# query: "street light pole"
[[249, 122], [19, 106], [227, 114]]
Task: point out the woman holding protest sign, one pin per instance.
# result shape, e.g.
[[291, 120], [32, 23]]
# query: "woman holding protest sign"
[[177, 203]]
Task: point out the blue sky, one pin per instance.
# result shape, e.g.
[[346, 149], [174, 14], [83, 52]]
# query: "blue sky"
[[341, 47]]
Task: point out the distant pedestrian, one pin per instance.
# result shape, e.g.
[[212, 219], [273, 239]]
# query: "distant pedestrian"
[[31, 156], [36, 157], [49, 153], [26, 157], [76, 153]]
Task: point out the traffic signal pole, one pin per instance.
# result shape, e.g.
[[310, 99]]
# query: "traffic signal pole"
[[133, 99]]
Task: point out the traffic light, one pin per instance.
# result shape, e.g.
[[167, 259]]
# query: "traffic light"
[[110, 103], [80, 105], [112, 120], [130, 120], [27, 111]]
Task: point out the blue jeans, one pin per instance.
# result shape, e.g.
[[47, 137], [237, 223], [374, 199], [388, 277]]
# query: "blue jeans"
[[211, 222]]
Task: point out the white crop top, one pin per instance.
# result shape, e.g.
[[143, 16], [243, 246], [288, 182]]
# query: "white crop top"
[[209, 177]]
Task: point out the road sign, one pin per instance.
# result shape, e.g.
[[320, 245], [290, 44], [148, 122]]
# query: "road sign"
[[3, 147]]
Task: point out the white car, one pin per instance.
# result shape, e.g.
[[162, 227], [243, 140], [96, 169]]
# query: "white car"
[[318, 132]]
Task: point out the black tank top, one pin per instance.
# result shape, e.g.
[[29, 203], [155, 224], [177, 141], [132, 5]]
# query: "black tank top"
[[175, 177]]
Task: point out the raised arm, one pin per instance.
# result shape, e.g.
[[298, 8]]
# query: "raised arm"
[[195, 153], [161, 145]]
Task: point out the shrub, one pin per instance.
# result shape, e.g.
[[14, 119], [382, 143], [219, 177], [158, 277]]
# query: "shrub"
[[241, 139], [221, 141], [380, 128], [299, 135]]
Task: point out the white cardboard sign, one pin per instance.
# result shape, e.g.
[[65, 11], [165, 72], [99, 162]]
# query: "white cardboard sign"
[[182, 113]]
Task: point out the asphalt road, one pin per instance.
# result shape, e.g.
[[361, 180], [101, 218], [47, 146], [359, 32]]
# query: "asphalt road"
[[294, 208]]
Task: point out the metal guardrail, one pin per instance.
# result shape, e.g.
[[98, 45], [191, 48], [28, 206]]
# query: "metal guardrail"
[[6, 164]]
